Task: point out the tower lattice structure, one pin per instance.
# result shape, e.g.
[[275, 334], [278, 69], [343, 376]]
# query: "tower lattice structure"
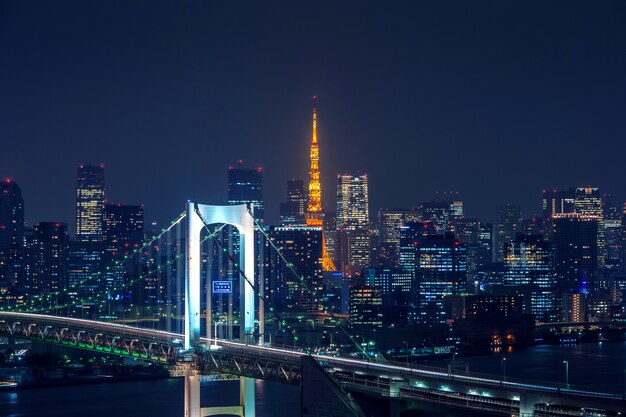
[[315, 215]]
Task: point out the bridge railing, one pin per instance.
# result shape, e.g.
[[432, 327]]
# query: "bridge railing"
[[509, 382], [499, 381]]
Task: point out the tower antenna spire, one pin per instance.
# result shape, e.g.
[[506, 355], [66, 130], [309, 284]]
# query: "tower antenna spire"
[[315, 215]]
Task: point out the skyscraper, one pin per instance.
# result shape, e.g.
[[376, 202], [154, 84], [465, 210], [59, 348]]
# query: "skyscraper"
[[302, 248], [84, 262], [441, 271], [123, 230], [557, 202], [353, 248], [293, 211], [354, 239], [366, 306], [11, 215], [245, 185], [11, 232], [352, 202], [50, 249], [315, 213], [89, 203], [588, 202], [476, 236], [442, 213], [508, 224], [123, 233], [576, 254], [390, 222], [529, 263], [623, 248], [412, 234]]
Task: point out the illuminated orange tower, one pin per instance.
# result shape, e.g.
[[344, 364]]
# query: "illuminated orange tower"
[[315, 215]]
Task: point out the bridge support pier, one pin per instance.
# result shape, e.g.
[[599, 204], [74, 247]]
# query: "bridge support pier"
[[527, 405], [192, 392], [394, 408], [247, 398]]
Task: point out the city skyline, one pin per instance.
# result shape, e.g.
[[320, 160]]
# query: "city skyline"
[[524, 93], [327, 209]]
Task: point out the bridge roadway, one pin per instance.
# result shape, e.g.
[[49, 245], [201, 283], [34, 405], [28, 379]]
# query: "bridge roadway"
[[375, 379], [421, 383]]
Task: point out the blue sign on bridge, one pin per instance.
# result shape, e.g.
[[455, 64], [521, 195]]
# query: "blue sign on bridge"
[[222, 287]]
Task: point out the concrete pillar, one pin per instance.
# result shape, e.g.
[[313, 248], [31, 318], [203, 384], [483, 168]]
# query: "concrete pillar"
[[394, 408], [247, 396], [394, 388], [192, 392], [527, 405]]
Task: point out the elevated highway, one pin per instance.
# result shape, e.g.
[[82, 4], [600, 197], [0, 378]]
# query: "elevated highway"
[[413, 386]]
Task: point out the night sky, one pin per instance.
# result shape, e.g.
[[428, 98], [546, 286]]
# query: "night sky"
[[494, 100]]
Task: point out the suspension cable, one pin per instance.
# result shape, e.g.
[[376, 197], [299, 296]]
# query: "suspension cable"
[[95, 297], [308, 288], [144, 245]]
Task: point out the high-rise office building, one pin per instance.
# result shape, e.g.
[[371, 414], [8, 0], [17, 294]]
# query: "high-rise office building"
[[476, 236], [443, 214], [302, 248], [330, 235], [293, 211], [50, 249], [613, 242], [354, 239], [529, 263], [576, 254], [588, 202], [412, 234], [557, 202], [390, 222], [11, 232], [486, 241], [11, 215], [89, 203], [245, 185], [612, 213], [352, 202], [366, 306], [389, 280], [623, 248], [123, 233], [441, 272], [84, 263], [353, 248], [123, 229], [508, 225]]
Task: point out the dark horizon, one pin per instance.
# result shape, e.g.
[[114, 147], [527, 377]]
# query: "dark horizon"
[[492, 100]]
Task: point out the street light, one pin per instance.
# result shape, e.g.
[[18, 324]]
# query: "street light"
[[454, 362], [503, 368], [215, 332], [566, 373]]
